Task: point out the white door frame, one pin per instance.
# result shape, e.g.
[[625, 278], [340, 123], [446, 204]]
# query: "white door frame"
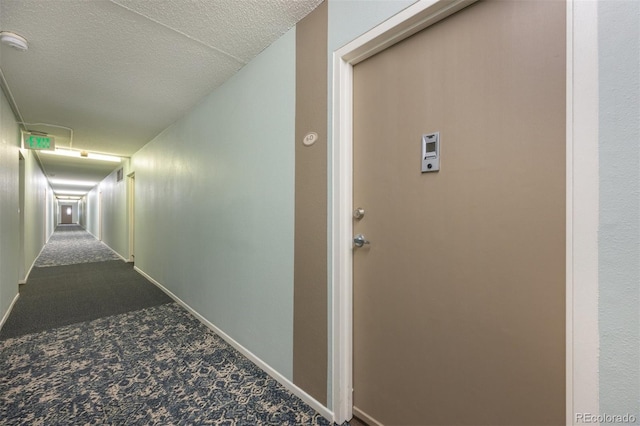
[[99, 215], [581, 165], [131, 180]]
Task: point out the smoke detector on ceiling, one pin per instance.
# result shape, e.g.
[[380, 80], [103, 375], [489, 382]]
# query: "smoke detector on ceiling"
[[14, 40]]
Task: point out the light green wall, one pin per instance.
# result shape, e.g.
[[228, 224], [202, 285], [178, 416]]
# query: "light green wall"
[[50, 210], [115, 232], [82, 212], [215, 206], [91, 202], [9, 224], [38, 209], [619, 231]]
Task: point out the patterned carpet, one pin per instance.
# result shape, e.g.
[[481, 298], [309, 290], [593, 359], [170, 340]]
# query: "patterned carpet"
[[71, 244], [155, 365]]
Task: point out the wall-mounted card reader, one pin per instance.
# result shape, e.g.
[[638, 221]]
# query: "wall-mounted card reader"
[[431, 152]]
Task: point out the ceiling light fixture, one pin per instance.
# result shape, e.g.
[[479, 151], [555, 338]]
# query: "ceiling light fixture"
[[63, 193], [79, 154], [72, 182], [14, 40]]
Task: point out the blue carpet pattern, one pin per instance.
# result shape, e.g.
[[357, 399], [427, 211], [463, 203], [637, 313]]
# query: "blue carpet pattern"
[[71, 244], [156, 366]]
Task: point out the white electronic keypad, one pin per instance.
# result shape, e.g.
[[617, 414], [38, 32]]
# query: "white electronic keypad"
[[431, 152]]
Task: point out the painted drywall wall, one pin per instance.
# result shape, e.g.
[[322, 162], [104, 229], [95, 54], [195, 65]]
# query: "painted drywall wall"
[[84, 212], [51, 207], [215, 206], [38, 209], [74, 212], [39, 216], [115, 233], [619, 233], [310, 309], [92, 208], [9, 218]]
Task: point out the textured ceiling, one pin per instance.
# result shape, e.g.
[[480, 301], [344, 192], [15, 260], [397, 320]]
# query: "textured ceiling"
[[119, 72]]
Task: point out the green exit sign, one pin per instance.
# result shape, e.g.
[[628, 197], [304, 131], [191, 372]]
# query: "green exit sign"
[[32, 141]]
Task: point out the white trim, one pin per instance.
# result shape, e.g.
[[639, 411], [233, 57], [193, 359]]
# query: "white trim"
[[100, 215], [131, 220], [91, 233], [406, 23], [341, 279], [26, 277], [124, 259], [581, 193], [308, 399], [569, 221], [6, 315], [582, 209]]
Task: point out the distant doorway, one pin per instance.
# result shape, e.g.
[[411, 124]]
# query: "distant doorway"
[[66, 214]]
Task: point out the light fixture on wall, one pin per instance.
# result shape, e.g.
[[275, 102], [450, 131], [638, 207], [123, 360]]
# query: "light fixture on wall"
[[14, 40]]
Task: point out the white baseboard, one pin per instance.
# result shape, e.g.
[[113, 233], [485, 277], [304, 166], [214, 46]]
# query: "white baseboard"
[[118, 254], [6, 315], [26, 277], [312, 402], [91, 233]]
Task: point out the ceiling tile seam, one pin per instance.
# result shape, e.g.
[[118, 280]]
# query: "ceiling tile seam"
[[229, 55]]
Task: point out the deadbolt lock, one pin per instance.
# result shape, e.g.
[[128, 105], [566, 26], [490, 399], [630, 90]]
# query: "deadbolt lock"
[[358, 213]]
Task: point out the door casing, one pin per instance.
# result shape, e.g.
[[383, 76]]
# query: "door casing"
[[581, 195], [131, 215], [63, 215], [21, 195]]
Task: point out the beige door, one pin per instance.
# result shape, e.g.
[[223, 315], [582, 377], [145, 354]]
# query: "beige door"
[[459, 299], [66, 214]]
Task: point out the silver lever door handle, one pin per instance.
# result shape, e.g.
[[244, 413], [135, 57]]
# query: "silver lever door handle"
[[359, 240]]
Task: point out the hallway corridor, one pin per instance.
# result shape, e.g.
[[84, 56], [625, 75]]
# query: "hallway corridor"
[[90, 341]]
